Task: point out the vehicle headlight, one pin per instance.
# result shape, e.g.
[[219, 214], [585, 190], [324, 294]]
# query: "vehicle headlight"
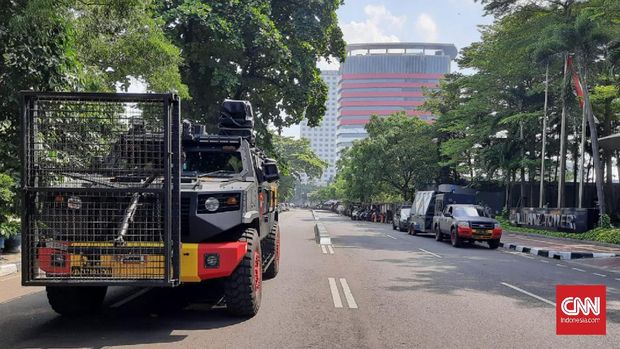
[[463, 224], [212, 204], [497, 226]]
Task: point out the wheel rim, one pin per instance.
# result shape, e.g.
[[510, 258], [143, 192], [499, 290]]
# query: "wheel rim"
[[258, 272]]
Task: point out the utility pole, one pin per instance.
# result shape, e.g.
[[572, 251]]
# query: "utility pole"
[[541, 197], [562, 175]]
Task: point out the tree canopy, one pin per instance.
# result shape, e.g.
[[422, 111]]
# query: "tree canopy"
[[264, 51]]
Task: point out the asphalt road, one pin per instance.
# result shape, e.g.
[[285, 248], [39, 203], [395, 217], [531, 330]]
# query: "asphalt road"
[[373, 288]]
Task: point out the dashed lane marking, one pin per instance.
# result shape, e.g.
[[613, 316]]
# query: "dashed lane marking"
[[335, 294], [130, 298], [429, 252], [561, 265], [581, 270], [390, 236], [617, 279], [544, 261], [528, 293], [323, 249], [601, 275], [347, 294], [331, 249]]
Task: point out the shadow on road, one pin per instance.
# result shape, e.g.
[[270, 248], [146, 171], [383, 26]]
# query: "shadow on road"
[[150, 319]]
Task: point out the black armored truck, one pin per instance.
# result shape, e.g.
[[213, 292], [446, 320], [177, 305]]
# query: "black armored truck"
[[117, 191]]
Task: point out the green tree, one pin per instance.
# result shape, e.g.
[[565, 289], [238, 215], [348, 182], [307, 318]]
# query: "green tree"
[[296, 159], [261, 50], [397, 158]]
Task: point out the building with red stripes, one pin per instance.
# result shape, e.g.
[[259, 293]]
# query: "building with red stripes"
[[381, 79]]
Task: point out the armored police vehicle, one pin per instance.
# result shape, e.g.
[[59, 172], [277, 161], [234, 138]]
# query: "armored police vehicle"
[[118, 191]]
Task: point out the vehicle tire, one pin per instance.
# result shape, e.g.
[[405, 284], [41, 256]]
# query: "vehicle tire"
[[393, 226], [438, 235], [76, 300], [272, 248], [493, 244], [243, 289], [455, 240], [402, 229]]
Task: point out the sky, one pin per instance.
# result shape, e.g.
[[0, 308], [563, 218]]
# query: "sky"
[[444, 21]]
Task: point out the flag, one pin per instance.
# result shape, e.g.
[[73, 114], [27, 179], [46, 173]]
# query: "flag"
[[576, 80]]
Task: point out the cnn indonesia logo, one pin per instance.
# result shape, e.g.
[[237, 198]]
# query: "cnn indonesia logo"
[[580, 310]]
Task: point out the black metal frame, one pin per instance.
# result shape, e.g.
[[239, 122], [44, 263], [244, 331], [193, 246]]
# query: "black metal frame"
[[169, 190]]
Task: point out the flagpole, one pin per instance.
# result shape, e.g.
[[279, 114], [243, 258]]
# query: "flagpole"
[[582, 149], [541, 198], [561, 177]]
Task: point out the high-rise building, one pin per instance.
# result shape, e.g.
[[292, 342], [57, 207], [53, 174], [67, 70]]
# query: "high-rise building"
[[381, 79], [323, 138]]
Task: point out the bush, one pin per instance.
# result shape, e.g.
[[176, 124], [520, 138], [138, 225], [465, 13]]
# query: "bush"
[[9, 223], [608, 235]]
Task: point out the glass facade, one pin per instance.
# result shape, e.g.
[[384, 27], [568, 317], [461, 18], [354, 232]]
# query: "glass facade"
[[380, 79]]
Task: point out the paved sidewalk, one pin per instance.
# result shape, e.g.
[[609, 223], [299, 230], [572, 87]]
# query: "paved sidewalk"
[[558, 248], [10, 263]]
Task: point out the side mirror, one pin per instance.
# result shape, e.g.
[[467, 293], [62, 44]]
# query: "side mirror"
[[271, 173]]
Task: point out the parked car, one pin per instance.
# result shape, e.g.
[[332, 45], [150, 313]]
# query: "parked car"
[[354, 215], [467, 223], [401, 218]]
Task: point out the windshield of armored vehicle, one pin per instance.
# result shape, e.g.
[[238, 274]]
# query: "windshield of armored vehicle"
[[212, 163]]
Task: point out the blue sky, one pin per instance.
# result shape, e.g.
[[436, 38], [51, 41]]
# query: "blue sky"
[[445, 21]]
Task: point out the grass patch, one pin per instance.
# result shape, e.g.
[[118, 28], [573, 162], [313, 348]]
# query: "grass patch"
[[607, 235]]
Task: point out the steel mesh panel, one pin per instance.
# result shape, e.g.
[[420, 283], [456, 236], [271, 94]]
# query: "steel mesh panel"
[[98, 188]]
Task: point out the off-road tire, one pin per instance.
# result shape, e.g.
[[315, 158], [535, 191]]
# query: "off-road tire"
[[493, 244], [76, 300], [455, 239], [272, 248], [438, 234], [243, 288]]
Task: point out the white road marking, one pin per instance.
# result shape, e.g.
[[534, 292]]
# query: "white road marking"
[[581, 270], [331, 249], [560, 265], [601, 275], [390, 236], [528, 293], [617, 279], [323, 249], [130, 298], [544, 261], [347, 294], [335, 294], [429, 252]]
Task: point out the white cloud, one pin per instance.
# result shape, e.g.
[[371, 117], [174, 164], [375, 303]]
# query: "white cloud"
[[372, 29], [427, 28]]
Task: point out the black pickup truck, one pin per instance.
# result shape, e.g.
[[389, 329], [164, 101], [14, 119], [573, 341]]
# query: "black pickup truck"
[[466, 223]]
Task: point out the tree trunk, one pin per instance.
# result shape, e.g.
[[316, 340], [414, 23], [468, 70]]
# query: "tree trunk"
[[598, 170]]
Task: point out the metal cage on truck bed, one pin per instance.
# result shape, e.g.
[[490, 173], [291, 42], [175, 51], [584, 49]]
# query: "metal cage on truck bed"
[[101, 189]]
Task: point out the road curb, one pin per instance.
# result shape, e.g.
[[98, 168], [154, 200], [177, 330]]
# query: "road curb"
[[556, 254], [321, 235], [8, 269], [316, 218]]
